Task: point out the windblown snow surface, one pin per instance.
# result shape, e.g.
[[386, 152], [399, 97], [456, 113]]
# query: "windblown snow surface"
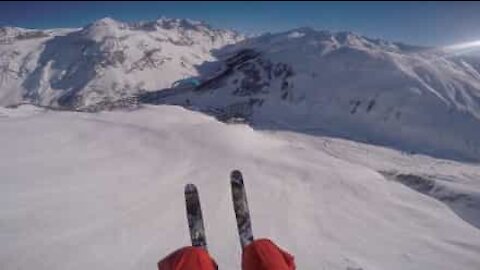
[[105, 191]]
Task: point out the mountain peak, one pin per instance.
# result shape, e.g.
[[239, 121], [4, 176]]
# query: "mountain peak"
[[186, 24], [102, 28], [106, 21], [10, 30]]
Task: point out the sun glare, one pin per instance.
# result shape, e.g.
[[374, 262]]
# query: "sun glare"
[[463, 46]]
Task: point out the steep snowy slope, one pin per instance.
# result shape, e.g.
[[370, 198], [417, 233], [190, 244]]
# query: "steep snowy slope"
[[105, 191], [19, 52], [454, 183], [107, 59], [343, 84]]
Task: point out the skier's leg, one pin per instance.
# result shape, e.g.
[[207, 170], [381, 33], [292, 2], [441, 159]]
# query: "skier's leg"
[[263, 254], [188, 258]]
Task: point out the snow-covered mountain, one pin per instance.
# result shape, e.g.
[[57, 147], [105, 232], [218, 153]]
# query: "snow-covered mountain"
[[341, 84], [107, 59], [347, 85]]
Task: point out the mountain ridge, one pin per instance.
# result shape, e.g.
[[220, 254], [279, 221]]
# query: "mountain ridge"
[[343, 84], [320, 82]]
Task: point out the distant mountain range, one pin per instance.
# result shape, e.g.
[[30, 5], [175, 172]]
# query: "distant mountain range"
[[414, 98]]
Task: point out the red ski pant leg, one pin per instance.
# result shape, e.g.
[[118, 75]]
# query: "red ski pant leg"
[[263, 254], [188, 258]]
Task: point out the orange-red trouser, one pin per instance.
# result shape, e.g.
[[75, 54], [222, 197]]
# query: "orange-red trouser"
[[261, 254]]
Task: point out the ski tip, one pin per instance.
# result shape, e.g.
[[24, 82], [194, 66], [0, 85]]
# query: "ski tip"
[[236, 176], [190, 188]]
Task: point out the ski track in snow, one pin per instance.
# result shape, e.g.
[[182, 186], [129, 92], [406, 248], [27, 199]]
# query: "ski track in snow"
[[105, 191]]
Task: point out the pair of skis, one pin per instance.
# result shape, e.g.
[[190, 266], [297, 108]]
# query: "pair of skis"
[[240, 205]]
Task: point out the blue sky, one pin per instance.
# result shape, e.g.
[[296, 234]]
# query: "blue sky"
[[421, 23]]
